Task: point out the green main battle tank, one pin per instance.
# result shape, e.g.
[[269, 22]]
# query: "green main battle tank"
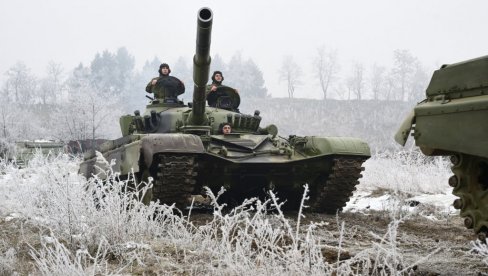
[[452, 121], [183, 149]]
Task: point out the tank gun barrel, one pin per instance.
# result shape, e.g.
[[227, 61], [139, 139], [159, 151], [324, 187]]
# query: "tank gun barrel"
[[201, 65]]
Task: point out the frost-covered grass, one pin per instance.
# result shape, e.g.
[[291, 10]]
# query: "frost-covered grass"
[[406, 172], [405, 181], [88, 230]]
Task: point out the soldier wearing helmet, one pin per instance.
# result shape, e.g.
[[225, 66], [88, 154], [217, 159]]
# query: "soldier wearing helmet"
[[217, 79], [165, 87]]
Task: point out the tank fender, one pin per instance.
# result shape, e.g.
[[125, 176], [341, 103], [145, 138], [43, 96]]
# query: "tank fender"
[[126, 160], [336, 145], [401, 135], [174, 142]]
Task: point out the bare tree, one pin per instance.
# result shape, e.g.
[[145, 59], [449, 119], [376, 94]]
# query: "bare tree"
[[21, 83], [5, 118], [390, 86], [326, 68], [88, 115], [355, 81], [377, 80], [342, 91], [19, 123], [51, 86], [291, 73], [404, 67], [350, 87], [5, 92], [419, 82]]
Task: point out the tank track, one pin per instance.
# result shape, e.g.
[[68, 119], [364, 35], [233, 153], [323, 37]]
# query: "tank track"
[[175, 179], [470, 183], [334, 190]]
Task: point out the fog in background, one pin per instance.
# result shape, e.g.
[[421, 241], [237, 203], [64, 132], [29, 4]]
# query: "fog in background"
[[365, 32], [69, 70]]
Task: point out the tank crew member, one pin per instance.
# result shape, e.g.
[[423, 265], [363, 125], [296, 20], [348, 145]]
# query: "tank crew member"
[[226, 128], [165, 87], [217, 79], [221, 96]]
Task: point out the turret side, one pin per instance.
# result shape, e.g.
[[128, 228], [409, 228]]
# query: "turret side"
[[462, 77]]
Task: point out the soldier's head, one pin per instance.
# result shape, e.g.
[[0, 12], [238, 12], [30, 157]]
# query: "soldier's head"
[[226, 128], [164, 69], [217, 77]]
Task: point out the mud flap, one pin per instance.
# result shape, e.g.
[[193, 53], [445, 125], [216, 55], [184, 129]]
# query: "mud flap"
[[174, 143], [126, 158], [401, 136]]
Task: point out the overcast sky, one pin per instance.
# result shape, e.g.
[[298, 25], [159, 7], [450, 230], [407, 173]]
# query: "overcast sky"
[[70, 32]]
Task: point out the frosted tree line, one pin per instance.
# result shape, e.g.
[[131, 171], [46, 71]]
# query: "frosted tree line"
[[404, 80], [85, 102]]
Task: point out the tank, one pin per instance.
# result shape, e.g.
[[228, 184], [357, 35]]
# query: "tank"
[[452, 121], [25, 150], [182, 147]]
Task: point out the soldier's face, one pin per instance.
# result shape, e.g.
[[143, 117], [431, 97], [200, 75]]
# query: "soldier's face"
[[226, 129], [164, 71], [218, 77]]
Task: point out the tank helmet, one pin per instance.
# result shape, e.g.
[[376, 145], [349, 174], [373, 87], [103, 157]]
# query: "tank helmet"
[[164, 65], [215, 73]]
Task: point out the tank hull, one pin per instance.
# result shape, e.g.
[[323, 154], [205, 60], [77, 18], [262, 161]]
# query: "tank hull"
[[185, 164], [443, 128]]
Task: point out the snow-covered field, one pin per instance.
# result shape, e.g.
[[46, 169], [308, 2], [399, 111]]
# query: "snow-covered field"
[[49, 225]]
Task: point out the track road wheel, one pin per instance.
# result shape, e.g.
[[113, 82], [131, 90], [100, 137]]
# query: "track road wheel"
[[470, 183]]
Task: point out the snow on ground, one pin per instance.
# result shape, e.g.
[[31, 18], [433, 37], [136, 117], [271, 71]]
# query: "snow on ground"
[[405, 179], [364, 200]]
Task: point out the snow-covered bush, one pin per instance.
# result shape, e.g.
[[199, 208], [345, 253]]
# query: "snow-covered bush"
[[7, 259]]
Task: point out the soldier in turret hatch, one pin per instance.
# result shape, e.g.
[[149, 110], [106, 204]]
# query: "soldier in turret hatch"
[[226, 128], [221, 96], [165, 87], [217, 79]]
